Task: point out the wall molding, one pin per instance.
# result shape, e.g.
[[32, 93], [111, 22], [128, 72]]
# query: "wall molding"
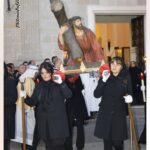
[[93, 10]]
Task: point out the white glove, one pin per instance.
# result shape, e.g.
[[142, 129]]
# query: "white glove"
[[27, 110], [128, 99], [23, 94], [22, 79], [105, 75], [57, 79], [83, 92], [142, 88], [30, 113]]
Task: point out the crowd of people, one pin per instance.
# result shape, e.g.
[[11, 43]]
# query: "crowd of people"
[[55, 102]]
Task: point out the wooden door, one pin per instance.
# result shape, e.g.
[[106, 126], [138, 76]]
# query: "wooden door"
[[137, 29]]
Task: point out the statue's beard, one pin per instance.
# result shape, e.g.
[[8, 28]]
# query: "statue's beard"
[[79, 27]]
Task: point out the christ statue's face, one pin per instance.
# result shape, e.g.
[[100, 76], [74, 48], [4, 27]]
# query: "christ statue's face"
[[78, 24]]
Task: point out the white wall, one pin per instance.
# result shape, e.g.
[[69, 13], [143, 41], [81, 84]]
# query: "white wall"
[[37, 38]]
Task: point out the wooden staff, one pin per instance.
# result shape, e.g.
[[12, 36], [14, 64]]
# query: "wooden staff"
[[23, 120], [131, 135], [135, 137]]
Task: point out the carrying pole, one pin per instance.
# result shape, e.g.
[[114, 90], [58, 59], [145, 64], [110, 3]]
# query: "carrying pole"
[[131, 135], [133, 128], [23, 120]]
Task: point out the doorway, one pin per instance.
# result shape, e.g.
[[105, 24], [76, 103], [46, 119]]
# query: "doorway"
[[125, 13], [121, 35]]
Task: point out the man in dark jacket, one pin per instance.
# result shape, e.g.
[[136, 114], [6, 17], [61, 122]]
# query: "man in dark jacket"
[[10, 97], [136, 83], [76, 111]]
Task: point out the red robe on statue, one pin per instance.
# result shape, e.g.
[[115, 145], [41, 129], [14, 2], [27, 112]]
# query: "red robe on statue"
[[90, 46]]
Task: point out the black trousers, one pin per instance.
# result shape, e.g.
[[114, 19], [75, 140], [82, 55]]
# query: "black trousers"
[[137, 96], [36, 140], [142, 138], [55, 144], [108, 145], [7, 144], [80, 135]]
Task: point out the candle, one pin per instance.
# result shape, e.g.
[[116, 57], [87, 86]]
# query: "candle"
[[142, 85]]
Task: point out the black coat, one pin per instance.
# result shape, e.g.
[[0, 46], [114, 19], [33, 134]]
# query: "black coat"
[[135, 77], [111, 121], [10, 97], [51, 118], [136, 85], [76, 107]]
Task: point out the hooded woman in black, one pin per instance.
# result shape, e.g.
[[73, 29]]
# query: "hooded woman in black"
[[48, 99], [115, 90]]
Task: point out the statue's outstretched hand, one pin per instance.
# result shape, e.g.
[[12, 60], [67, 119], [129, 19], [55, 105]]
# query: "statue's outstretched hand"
[[63, 29]]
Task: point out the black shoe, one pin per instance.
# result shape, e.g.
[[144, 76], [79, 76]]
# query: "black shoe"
[[142, 142], [28, 147]]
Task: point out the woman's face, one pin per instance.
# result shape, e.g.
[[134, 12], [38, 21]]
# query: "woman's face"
[[22, 69], [46, 76], [115, 68]]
